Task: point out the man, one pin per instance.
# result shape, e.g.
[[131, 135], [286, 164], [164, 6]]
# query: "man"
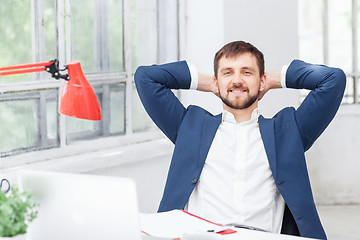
[[239, 167]]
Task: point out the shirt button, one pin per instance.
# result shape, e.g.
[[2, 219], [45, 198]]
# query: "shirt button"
[[194, 180]]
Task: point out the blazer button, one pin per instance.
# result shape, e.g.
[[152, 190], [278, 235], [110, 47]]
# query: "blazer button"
[[280, 182], [194, 180]]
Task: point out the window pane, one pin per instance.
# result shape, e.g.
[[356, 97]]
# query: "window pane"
[[82, 15], [358, 90], [50, 30], [311, 30], [75, 125], [15, 37], [340, 34], [141, 120], [358, 36], [349, 91], [51, 119], [115, 34], [144, 32], [81, 129], [19, 124], [117, 109], [97, 35]]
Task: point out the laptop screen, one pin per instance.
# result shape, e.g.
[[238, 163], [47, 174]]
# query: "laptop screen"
[[80, 206]]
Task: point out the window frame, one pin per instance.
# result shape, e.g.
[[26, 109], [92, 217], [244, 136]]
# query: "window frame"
[[354, 74], [12, 91], [42, 82]]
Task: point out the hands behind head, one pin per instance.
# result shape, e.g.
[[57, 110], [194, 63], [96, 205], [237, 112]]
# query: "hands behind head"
[[207, 83], [272, 81]]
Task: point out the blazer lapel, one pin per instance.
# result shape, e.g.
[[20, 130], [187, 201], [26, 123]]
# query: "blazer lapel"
[[211, 124], [268, 136]]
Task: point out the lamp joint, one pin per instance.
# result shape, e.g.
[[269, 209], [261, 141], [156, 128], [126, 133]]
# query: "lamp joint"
[[53, 68]]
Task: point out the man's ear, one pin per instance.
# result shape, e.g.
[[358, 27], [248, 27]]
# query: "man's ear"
[[215, 82], [215, 87], [263, 82], [262, 89]]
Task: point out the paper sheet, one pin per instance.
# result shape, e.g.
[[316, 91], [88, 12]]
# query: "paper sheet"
[[174, 224]]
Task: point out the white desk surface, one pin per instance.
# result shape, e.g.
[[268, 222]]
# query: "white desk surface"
[[180, 224], [240, 235], [258, 235]]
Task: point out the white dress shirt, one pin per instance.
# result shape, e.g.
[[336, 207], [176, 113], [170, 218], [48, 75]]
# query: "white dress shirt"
[[236, 185]]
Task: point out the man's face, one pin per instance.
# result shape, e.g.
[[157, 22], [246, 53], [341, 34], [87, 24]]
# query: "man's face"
[[239, 81]]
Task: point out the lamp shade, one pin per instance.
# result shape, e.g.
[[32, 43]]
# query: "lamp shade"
[[78, 98]]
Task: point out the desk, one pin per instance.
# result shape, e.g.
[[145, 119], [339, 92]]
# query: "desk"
[[240, 235], [176, 223], [257, 235]]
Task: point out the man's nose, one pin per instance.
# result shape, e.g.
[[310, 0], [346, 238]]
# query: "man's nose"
[[238, 79]]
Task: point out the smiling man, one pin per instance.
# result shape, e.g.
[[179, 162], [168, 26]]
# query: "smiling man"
[[239, 167], [240, 82]]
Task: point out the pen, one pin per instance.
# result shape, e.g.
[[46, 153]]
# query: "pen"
[[245, 227]]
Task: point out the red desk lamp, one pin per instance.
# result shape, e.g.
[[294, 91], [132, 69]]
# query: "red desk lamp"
[[78, 98]]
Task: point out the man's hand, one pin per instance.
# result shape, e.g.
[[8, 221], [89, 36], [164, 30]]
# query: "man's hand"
[[273, 80], [207, 83]]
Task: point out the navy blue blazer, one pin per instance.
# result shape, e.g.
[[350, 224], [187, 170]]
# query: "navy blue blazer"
[[286, 136]]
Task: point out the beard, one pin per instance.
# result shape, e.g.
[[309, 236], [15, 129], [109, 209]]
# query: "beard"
[[236, 104]]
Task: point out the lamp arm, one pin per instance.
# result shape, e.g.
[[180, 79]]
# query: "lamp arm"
[[78, 98], [51, 67]]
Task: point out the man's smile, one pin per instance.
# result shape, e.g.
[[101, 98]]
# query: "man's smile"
[[237, 91]]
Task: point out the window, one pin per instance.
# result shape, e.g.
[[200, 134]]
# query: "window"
[[110, 38], [328, 34]]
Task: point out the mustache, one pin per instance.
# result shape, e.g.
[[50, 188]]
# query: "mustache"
[[238, 86]]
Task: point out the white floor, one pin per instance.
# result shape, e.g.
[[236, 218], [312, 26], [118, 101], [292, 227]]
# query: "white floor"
[[341, 222]]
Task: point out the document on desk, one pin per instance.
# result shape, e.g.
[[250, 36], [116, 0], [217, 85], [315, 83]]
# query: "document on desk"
[[176, 223]]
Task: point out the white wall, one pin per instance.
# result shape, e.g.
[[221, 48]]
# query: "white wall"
[[204, 35], [334, 162], [270, 25]]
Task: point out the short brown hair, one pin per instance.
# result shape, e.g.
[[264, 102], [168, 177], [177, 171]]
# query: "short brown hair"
[[236, 48]]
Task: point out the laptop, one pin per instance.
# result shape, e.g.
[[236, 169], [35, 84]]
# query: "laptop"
[[80, 206]]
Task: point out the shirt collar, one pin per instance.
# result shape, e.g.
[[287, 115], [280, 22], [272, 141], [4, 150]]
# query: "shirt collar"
[[229, 117]]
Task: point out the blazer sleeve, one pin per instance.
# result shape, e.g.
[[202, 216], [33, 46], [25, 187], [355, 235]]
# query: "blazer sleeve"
[[327, 87], [154, 84]]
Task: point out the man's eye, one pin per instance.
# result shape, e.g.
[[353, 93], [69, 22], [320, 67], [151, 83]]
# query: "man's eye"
[[227, 73]]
